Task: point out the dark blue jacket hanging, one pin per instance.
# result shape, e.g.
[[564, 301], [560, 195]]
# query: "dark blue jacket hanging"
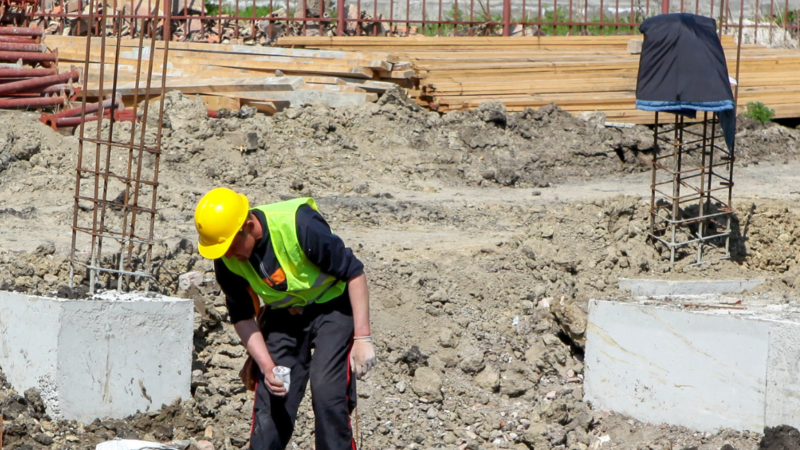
[[682, 69]]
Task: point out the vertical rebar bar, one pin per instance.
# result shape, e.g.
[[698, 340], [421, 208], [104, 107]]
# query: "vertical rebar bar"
[[569, 29], [507, 16], [78, 170], [738, 59], [97, 229], [676, 183], [341, 16], [701, 207], [439, 32], [157, 157], [755, 14], [455, 16], [653, 178]]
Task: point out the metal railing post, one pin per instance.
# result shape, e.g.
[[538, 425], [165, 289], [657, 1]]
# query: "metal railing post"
[[341, 15], [506, 18]]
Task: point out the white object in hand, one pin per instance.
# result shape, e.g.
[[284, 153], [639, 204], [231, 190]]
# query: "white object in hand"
[[282, 374]]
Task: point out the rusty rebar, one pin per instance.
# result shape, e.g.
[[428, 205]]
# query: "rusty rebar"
[[77, 196], [71, 121], [27, 56], [21, 31], [104, 172], [710, 183], [20, 39], [19, 103], [19, 86], [103, 201], [22, 47], [88, 108], [27, 73]]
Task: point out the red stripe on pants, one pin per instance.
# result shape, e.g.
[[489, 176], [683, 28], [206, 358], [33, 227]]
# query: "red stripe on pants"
[[255, 397], [347, 387]]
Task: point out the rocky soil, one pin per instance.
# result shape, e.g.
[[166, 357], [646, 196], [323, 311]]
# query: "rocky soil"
[[479, 283]]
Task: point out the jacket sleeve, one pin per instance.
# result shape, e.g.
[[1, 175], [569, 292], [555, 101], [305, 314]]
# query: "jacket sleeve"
[[323, 248], [238, 298]]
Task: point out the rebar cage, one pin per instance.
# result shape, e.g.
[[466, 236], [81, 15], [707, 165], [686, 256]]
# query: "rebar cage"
[[119, 150], [692, 186]]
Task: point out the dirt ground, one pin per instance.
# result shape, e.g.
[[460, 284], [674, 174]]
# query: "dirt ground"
[[484, 235]]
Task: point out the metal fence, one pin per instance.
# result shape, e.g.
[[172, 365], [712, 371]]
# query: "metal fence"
[[263, 21]]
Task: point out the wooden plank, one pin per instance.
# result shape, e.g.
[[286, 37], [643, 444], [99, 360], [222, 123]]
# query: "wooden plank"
[[304, 96], [288, 68], [369, 85], [333, 88], [208, 85], [79, 43], [231, 60], [400, 74], [460, 41]]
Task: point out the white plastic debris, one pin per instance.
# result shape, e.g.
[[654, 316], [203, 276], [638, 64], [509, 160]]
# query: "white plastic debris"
[[188, 279], [131, 444]]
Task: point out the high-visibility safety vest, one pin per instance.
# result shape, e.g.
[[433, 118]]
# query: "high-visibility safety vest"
[[305, 282]]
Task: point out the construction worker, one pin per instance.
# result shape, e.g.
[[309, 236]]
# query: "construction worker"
[[315, 291]]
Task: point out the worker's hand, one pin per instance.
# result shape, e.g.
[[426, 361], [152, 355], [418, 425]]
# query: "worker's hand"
[[273, 385], [362, 356]]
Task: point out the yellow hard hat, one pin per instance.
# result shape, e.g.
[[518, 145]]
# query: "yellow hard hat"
[[218, 217]]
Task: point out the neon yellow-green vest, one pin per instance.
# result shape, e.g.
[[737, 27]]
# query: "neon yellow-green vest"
[[305, 283]]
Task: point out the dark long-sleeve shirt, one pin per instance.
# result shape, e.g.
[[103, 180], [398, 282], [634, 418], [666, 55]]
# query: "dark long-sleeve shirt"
[[322, 248]]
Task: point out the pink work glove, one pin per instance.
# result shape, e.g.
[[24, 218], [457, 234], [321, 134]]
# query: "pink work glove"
[[362, 356]]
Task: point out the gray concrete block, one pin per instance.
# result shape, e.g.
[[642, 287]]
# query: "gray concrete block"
[[702, 369], [687, 288], [98, 358]]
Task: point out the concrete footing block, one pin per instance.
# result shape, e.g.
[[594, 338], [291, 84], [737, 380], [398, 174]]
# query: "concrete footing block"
[[703, 369], [106, 357], [685, 288]]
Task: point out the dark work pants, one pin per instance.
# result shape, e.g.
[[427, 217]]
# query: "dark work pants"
[[328, 329]]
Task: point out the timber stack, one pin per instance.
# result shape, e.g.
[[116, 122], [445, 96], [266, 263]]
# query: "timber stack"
[[229, 76], [579, 73]]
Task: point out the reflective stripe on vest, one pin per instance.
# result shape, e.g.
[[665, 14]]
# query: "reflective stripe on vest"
[[285, 301], [299, 271]]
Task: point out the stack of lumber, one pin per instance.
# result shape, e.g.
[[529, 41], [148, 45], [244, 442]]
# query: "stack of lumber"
[[579, 73], [229, 76]]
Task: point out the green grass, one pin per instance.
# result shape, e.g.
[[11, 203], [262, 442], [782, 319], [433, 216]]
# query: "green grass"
[[212, 9], [759, 111], [461, 15], [548, 20]]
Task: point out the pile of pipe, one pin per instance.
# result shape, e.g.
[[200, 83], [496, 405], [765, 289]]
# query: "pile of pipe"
[[29, 76]]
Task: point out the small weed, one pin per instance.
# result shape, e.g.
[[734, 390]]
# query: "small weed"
[[759, 111]]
